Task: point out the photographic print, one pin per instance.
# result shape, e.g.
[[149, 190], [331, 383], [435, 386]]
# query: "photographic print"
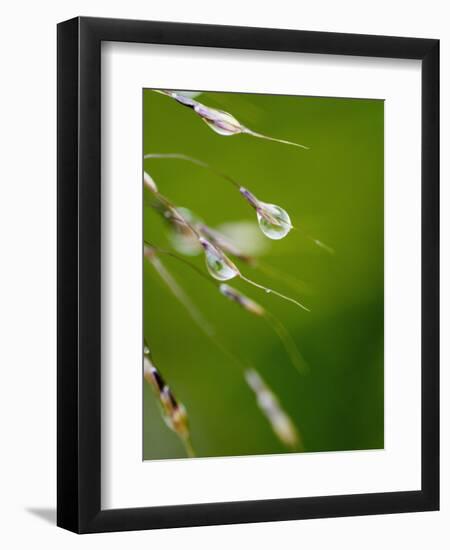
[[229, 302], [263, 274]]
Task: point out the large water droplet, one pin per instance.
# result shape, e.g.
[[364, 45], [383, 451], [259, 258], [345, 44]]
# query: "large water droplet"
[[218, 265], [274, 222], [221, 122]]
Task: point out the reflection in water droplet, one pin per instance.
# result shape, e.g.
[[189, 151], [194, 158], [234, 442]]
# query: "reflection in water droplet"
[[274, 222], [218, 265]]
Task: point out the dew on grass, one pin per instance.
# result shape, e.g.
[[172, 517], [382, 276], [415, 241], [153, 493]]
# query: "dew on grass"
[[218, 265]]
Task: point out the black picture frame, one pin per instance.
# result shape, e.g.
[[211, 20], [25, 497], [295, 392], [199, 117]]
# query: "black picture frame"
[[79, 275]]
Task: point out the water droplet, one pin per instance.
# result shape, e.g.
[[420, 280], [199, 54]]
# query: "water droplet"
[[146, 350], [268, 291], [218, 265], [274, 222], [221, 122]]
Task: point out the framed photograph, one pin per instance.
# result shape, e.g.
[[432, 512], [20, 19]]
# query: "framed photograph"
[[248, 288]]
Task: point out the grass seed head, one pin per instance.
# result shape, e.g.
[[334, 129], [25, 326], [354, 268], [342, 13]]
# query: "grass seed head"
[[182, 237], [149, 182], [242, 300], [220, 241], [149, 252], [221, 122], [282, 425], [173, 412]]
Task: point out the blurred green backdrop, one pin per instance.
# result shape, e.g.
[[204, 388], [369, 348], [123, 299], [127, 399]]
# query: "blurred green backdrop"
[[333, 192]]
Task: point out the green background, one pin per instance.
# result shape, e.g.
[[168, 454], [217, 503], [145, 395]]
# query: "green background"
[[334, 192]]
